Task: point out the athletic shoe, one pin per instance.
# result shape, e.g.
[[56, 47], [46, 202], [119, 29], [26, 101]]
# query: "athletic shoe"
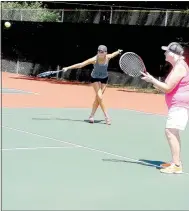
[[91, 119], [172, 169], [164, 165]]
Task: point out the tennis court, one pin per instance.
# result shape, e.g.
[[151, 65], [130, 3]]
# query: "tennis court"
[[53, 159]]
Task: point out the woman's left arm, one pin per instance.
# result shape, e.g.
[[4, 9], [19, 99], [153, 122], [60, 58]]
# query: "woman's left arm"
[[114, 54]]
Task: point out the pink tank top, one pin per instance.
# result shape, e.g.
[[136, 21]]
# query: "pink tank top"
[[179, 96]]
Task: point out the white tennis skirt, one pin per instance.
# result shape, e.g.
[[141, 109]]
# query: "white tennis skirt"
[[177, 118]]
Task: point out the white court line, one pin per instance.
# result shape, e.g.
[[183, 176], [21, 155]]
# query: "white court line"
[[23, 91], [36, 148], [84, 147]]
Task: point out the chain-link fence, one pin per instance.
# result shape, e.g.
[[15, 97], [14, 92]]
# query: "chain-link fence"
[[79, 75], [26, 67], [125, 17]]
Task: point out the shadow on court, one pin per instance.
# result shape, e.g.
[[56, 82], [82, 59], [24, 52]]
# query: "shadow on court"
[[51, 80], [139, 90], [73, 120], [151, 163], [126, 90]]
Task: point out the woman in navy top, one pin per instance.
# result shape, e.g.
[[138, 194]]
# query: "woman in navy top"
[[99, 77]]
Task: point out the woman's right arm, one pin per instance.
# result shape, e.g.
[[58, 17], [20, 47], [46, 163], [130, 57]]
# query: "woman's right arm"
[[166, 87], [80, 65]]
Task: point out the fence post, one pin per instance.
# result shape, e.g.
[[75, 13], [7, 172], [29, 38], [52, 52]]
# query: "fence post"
[[111, 16], [58, 68], [17, 66], [166, 17], [62, 20], [21, 15]]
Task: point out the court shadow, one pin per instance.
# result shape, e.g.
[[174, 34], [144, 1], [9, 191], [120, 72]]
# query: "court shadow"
[[150, 163], [50, 80], [73, 120], [126, 90], [137, 91]]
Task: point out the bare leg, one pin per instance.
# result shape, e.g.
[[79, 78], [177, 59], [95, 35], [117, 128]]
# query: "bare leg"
[[174, 143], [96, 102], [179, 117]]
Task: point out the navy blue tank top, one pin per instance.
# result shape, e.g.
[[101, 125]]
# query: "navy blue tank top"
[[100, 70]]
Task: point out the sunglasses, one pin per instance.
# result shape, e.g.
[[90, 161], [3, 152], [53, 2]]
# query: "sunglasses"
[[99, 51]]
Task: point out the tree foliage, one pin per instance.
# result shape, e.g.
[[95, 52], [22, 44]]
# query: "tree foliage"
[[28, 11]]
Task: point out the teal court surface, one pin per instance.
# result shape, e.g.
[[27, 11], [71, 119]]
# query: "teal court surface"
[[53, 159]]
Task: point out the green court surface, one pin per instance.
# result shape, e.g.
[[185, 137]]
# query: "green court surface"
[[53, 159]]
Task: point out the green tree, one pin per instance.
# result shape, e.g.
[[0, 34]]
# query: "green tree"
[[28, 11]]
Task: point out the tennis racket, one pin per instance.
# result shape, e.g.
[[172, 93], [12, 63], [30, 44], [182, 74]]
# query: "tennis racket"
[[48, 73], [132, 64]]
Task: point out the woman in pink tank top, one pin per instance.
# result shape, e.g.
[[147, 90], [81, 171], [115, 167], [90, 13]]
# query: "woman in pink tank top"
[[179, 96], [176, 89]]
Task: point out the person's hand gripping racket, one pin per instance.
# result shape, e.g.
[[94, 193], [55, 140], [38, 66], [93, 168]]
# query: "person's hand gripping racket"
[[147, 77], [64, 69], [150, 79]]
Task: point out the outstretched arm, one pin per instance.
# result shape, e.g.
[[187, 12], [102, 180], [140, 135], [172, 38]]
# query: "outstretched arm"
[[80, 65], [114, 54], [168, 86]]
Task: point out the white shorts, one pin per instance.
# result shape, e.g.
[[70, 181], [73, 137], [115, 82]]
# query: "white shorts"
[[177, 118]]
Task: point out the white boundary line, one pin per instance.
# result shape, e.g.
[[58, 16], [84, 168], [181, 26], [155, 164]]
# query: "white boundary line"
[[84, 147], [36, 148], [23, 91]]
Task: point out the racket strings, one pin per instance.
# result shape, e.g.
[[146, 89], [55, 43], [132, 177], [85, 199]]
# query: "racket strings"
[[131, 64]]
